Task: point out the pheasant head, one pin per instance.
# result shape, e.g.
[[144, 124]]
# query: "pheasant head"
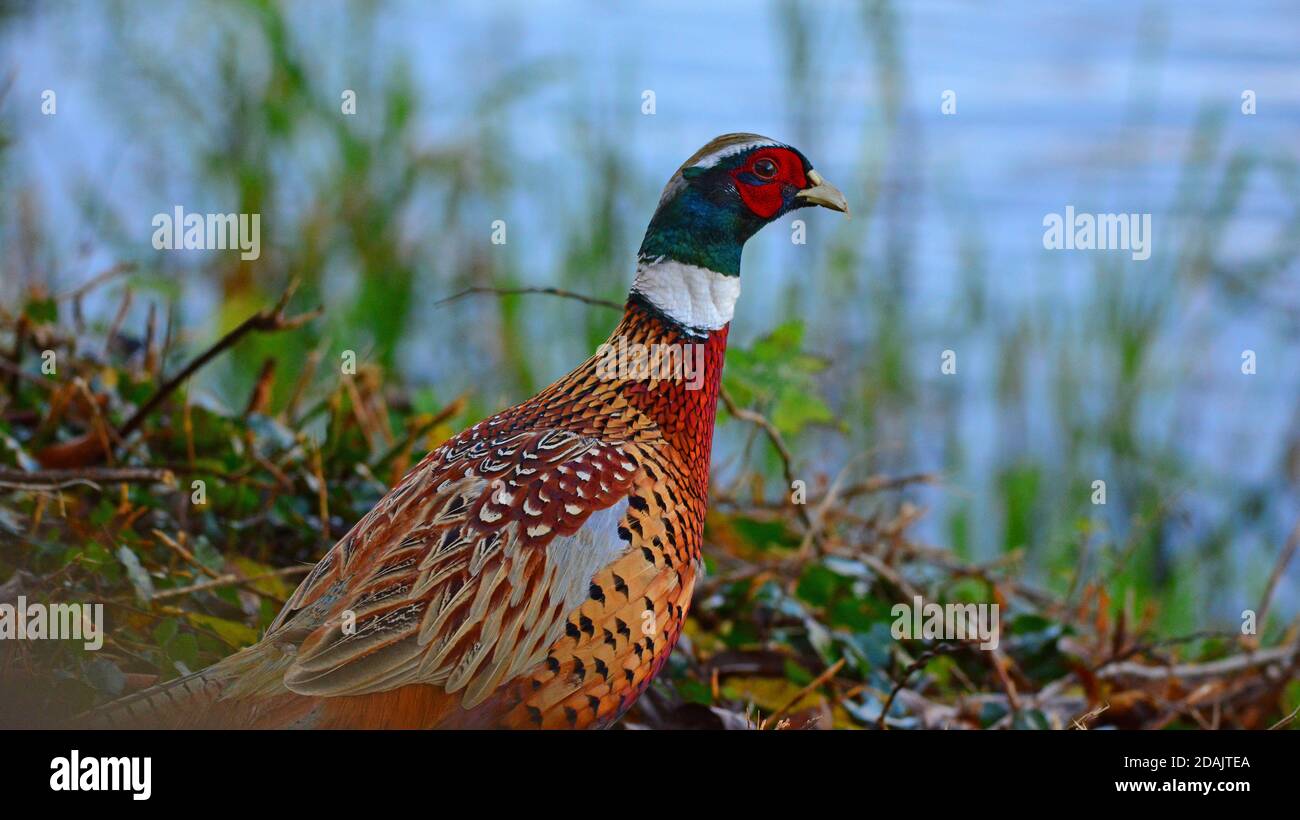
[[688, 267]]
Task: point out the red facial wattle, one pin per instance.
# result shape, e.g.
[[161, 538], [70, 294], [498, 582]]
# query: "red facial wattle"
[[765, 197]]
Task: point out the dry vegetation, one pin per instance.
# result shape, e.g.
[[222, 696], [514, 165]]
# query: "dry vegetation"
[[789, 629]]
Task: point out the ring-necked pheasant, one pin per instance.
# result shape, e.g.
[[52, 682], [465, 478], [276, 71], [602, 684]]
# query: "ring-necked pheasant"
[[534, 570]]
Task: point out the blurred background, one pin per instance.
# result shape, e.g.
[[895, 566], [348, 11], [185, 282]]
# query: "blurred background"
[[1072, 366]]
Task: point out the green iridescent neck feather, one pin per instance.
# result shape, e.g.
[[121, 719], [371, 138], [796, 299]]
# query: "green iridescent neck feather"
[[699, 226]]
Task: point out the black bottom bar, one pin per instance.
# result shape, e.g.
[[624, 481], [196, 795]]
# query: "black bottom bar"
[[243, 769]]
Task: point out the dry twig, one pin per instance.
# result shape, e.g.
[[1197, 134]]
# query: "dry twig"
[[264, 321], [47, 480]]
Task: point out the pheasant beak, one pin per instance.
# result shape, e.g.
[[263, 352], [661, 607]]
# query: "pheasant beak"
[[823, 193]]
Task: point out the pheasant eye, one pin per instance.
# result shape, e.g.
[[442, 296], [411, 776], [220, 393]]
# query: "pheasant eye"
[[765, 169]]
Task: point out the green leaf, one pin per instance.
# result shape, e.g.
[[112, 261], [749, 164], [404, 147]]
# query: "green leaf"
[[184, 648], [232, 632], [165, 631], [42, 311], [796, 409], [817, 585]]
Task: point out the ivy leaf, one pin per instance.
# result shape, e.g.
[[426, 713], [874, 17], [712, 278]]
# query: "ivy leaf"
[[796, 408], [776, 376]]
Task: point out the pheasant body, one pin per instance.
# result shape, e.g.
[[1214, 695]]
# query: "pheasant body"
[[535, 570]]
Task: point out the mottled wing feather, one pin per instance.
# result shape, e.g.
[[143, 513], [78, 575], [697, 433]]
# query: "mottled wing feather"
[[464, 574]]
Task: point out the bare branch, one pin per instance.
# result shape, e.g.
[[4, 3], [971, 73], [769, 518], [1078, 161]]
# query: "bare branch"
[[1279, 654], [229, 579], [1283, 560], [49, 480], [561, 292], [264, 321]]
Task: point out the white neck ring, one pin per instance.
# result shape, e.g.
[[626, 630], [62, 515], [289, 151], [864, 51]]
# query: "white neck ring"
[[694, 297]]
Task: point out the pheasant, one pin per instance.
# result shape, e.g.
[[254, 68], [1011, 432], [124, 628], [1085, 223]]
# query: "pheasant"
[[535, 569]]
